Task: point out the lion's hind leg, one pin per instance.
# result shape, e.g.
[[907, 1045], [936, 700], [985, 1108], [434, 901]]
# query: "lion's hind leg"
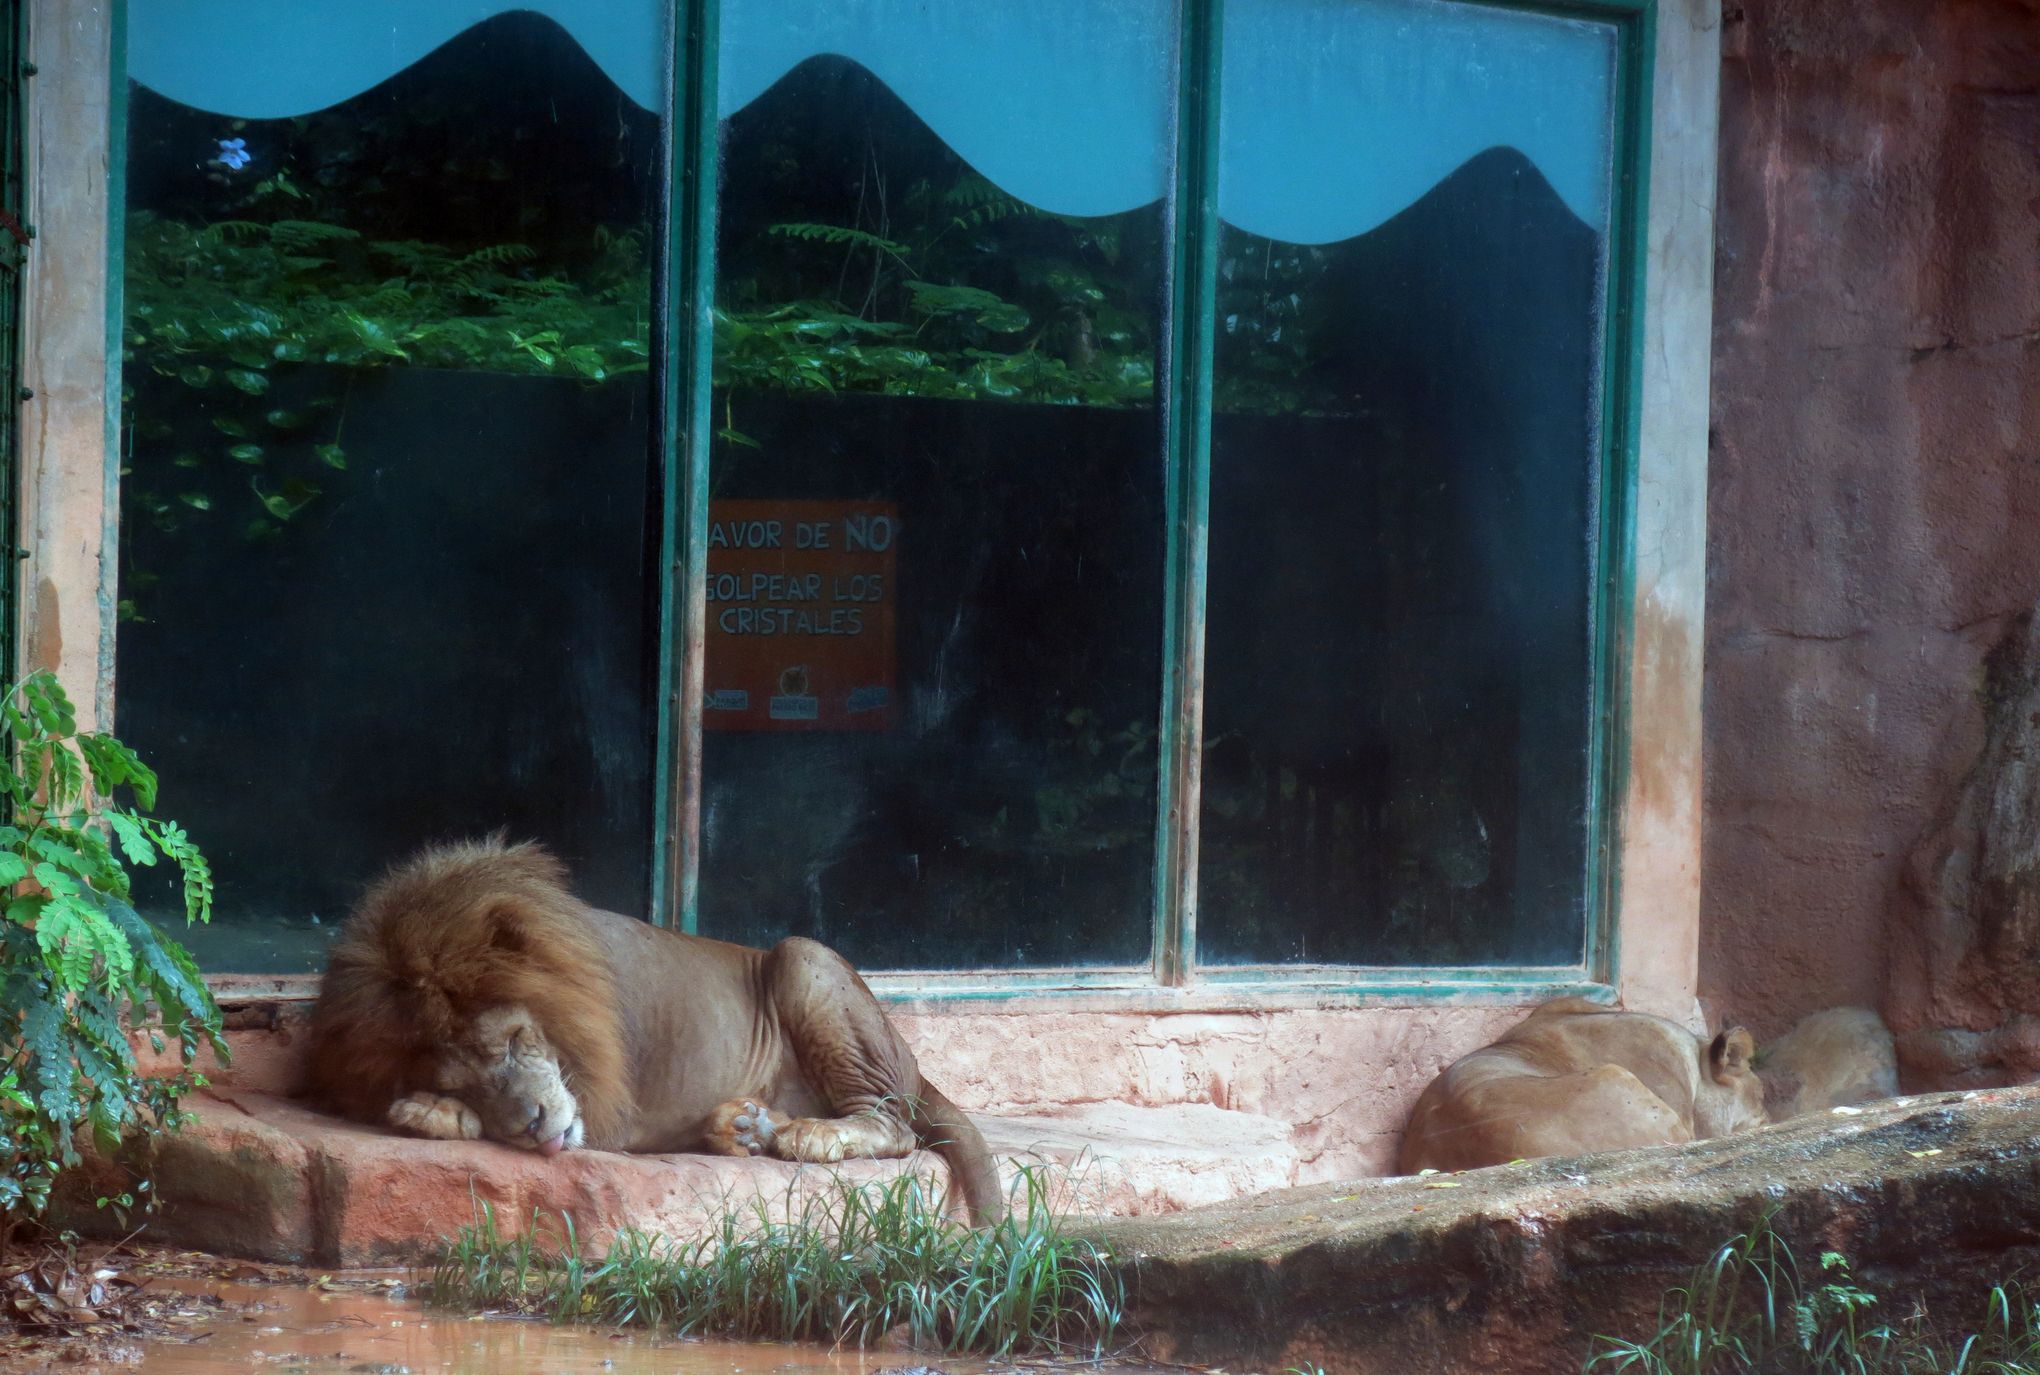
[[746, 1127], [848, 1053], [874, 1134]]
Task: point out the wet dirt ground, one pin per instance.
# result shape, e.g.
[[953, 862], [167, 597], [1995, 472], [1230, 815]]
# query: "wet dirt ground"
[[185, 1314]]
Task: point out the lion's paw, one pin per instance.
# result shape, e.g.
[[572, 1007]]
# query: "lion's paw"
[[442, 1119], [743, 1126]]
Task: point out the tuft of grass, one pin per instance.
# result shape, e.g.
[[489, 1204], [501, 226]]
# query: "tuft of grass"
[[849, 1263], [1749, 1309]]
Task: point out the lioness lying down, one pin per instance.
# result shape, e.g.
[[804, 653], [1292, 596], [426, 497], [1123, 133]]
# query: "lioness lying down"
[[1574, 1078], [472, 996], [1838, 1057]]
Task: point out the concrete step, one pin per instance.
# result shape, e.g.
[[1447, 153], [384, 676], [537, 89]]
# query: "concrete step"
[[263, 1177]]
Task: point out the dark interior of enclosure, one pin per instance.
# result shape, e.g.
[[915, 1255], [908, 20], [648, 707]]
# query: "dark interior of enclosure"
[[372, 599], [1399, 639], [1008, 817]]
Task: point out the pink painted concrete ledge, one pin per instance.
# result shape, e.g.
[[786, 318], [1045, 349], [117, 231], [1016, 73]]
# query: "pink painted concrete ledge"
[[262, 1177]]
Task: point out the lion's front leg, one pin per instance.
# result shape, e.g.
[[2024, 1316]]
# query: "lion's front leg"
[[436, 1116]]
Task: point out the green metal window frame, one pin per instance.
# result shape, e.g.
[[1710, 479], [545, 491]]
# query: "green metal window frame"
[[683, 348], [15, 235], [684, 423], [687, 285]]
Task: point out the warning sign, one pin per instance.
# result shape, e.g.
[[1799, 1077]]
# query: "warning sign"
[[800, 615]]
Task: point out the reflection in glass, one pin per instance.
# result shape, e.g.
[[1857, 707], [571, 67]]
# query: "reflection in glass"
[[1404, 486], [967, 778], [384, 560]]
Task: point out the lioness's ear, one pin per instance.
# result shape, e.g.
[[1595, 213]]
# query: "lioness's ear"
[[1730, 1055]]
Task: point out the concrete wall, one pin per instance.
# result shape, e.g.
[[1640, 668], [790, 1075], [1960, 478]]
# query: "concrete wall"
[[67, 518], [1874, 488]]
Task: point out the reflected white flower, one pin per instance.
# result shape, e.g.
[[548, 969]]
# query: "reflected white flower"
[[234, 153]]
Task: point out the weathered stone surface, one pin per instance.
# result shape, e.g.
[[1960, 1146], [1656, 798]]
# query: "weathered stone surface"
[[1966, 984], [262, 1177], [1517, 1268], [1874, 478], [1122, 1160]]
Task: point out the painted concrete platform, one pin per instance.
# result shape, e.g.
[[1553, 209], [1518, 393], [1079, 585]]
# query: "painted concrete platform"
[[262, 1177]]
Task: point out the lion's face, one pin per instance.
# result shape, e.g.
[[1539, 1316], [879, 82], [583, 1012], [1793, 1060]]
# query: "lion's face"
[[504, 1068], [1734, 1099]]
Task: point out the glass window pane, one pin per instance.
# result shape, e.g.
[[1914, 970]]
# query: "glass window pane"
[[385, 562], [935, 567], [1404, 484]]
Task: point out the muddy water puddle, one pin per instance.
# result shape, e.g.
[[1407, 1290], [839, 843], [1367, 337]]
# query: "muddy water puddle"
[[292, 1329]]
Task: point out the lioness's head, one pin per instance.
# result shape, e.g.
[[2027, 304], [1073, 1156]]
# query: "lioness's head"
[[502, 1066], [1734, 1099]]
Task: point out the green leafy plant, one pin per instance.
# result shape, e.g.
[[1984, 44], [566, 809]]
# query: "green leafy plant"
[[81, 974], [849, 1263], [1748, 1309]]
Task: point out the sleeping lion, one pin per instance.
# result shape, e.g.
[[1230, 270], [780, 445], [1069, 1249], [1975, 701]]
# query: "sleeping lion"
[[1574, 1078], [471, 995]]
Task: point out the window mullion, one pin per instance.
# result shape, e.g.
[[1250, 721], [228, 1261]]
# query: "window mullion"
[[1621, 397], [1186, 438], [686, 343]]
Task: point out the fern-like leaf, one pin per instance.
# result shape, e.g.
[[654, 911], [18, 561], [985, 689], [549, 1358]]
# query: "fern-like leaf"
[[296, 236], [840, 235], [134, 840]]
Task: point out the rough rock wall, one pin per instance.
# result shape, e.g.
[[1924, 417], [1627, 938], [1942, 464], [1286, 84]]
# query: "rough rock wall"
[[1874, 502], [1517, 1269], [1965, 976]]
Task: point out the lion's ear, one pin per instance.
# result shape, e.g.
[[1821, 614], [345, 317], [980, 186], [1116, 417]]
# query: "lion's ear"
[[1730, 1055], [506, 933]]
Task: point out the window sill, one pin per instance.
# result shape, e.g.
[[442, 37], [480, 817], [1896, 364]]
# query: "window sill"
[[1251, 989], [1245, 989]]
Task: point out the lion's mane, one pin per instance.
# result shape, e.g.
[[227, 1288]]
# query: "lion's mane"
[[442, 937]]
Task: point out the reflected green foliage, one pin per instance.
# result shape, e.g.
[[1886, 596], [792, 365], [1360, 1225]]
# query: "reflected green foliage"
[[849, 1264], [226, 311], [1273, 331], [403, 230], [223, 308], [904, 304], [1750, 1308], [80, 972]]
